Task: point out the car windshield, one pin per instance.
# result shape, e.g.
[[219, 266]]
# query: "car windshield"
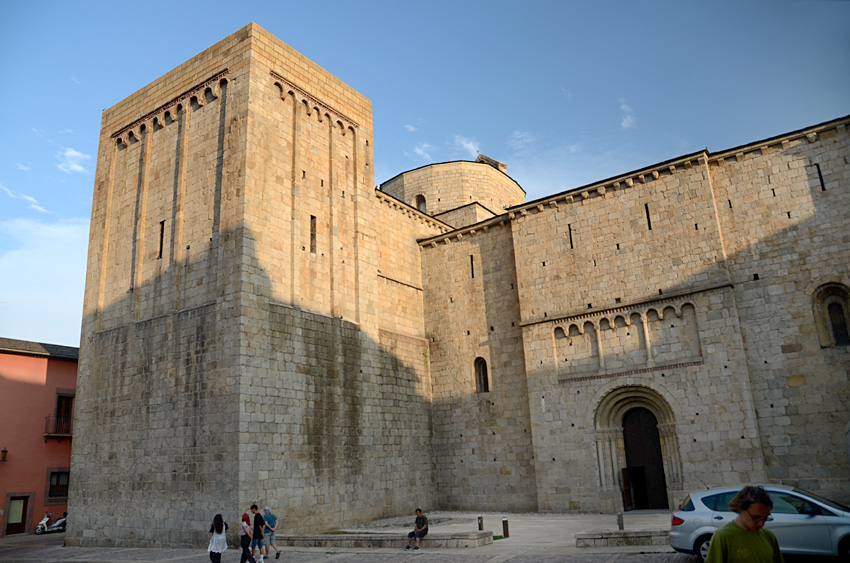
[[827, 502]]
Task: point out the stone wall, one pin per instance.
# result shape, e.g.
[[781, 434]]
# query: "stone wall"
[[782, 205], [482, 434]]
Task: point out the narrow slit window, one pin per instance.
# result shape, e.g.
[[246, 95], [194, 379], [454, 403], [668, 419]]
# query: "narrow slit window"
[[161, 239], [820, 177], [472, 265], [648, 219], [312, 234], [570, 229]]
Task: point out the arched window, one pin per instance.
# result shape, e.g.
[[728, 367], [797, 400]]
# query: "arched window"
[[838, 320], [482, 382], [832, 315], [420, 203]]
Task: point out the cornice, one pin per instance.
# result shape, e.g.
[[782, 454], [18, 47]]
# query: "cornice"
[[314, 102], [212, 82]]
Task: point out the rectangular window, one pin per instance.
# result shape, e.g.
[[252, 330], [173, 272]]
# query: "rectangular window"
[[472, 265], [312, 234], [648, 220], [64, 410], [58, 484]]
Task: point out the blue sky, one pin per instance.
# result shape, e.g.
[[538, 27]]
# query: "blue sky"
[[565, 93]]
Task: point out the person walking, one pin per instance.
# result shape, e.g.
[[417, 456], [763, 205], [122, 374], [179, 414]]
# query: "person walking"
[[271, 527], [259, 524], [245, 535], [744, 539], [420, 530], [218, 538]]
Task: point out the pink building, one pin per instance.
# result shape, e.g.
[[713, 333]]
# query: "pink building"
[[37, 386]]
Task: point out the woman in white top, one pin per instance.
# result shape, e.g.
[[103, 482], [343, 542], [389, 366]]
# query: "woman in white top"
[[218, 539], [245, 535]]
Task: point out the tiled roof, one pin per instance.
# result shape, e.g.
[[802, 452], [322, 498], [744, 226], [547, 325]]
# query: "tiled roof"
[[12, 346]]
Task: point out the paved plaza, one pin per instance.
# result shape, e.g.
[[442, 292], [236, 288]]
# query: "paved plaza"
[[533, 537]]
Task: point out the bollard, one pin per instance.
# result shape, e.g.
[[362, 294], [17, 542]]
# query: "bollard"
[[505, 532], [620, 525], [480, 523]]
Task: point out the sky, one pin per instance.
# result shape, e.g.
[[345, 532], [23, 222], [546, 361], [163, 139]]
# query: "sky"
[[565, 93]]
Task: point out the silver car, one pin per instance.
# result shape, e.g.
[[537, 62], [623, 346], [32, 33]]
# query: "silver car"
[[803, 522]]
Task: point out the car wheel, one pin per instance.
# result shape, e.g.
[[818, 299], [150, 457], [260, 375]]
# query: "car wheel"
[[844, 549], [701, 547]]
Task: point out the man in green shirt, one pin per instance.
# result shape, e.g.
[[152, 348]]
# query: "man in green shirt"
[[744, 539]]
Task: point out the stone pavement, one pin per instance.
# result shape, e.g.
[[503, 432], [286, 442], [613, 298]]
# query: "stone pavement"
[[533, 538]]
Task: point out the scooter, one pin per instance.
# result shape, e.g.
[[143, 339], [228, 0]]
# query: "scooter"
[[46, 525]]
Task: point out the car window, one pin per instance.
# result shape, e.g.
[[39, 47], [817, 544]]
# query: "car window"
[[830, 503], [720, 501], [785, 503], [687, 504]]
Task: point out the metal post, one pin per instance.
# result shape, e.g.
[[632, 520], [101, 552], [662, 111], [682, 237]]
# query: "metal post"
[[620, 524], [505, 532]]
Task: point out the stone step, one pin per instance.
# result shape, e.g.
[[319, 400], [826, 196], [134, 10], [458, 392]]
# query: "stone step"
[[458, 539], [622, 538]]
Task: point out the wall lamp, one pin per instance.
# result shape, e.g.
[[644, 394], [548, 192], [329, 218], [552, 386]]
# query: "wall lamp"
[[3, 453]]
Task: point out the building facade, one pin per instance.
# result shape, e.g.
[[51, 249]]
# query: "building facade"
[[37, 389], [261, 325]]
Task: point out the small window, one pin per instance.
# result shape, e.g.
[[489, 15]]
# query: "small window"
[[420, 203], [831, 307], [838, 321], [482, 382], [56, 485], [312, 234]]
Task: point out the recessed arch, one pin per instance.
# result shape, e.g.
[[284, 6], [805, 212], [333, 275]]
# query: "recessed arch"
[[611, 410], [831, 309]]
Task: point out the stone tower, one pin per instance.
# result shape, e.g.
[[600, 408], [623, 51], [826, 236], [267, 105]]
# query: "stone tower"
[[232, 347]]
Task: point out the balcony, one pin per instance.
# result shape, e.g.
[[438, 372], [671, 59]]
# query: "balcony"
[[58, 427]]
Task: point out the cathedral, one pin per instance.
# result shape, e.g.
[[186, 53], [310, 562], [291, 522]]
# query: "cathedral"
[[264, 325]]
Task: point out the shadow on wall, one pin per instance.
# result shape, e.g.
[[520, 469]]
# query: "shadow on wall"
[[207, 409]]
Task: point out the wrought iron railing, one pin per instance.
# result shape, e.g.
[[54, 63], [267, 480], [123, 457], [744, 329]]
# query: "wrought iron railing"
[[58, 425]]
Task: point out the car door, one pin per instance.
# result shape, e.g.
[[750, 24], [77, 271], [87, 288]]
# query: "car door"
[[798, 524], [719, 505]]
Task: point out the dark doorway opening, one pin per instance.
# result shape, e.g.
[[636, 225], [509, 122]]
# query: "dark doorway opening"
[[644, 485]]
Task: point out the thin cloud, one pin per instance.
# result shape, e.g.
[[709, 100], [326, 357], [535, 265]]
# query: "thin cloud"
[[71, 161], [423, 150], [469, 146], [629, 120], [74, 80], [411, 128], [29, 199], [520, 141], [25, 167]]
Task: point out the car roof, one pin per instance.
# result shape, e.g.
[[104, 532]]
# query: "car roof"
[[727, 489]]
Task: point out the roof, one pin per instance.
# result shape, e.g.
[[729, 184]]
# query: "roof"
[[27, 348]]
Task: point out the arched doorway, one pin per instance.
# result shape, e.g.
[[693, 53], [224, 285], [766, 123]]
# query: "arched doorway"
[[637, 449], [644, 485]]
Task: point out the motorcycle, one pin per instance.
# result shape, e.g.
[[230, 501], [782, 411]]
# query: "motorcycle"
[[47, 526]]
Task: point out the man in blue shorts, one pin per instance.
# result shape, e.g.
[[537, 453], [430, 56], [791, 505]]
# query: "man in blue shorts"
[[259, 524], [420, 530], [271, 527]]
